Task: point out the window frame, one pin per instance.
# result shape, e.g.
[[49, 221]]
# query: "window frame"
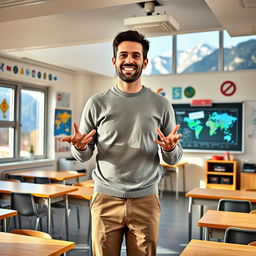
[[16, 123]]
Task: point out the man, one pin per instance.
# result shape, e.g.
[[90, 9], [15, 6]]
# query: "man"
[[123, 123]]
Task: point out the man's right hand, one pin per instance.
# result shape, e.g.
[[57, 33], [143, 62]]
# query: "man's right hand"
[[80, 141]]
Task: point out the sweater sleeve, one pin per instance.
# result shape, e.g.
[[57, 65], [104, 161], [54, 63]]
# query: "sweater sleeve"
[[168, 123], [87, 124]]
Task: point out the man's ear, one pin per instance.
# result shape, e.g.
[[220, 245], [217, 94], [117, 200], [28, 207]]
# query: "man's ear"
[[114, 61], [145, 63]]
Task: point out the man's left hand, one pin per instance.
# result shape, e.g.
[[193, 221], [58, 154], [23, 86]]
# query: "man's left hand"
[[168, 143]]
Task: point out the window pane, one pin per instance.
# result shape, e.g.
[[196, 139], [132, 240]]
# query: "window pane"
[[197, 52], [6, 104], [239, 52], [6, 142], [32, 122], [159, 56]]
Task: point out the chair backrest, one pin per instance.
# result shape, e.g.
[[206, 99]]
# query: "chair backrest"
[[16, 177], [42, 180], [232, 205], [29, 232], [239, 235], [24, 203]]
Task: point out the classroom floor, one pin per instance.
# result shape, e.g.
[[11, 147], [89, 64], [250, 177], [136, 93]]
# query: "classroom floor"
[[173, 226]]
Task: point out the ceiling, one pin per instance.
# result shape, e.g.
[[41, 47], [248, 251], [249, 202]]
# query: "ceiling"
[[62, 32]]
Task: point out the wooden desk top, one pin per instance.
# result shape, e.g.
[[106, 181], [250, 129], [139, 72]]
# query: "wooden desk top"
[[82, 193], [38, 190], [6, 213], [223, 220], [217, 194], [20, 245], [173, 165], [54, 175], [208, 248]]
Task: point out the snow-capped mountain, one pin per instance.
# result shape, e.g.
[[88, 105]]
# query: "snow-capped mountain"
[[204, 57], [163, 64]]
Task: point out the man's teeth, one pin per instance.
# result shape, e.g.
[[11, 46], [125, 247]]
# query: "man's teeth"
[[128, 69]]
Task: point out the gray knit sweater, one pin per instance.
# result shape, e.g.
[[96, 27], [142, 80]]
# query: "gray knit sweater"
[[127, 162]]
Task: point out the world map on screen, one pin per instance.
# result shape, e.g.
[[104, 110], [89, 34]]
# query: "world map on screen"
[[214, 122]]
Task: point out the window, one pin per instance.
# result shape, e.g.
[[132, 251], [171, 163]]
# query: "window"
[[159, 56], [239, 52], [22, 122], [197, 52]]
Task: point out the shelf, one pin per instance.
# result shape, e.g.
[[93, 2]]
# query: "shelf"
[[221, 180], [221, 173]]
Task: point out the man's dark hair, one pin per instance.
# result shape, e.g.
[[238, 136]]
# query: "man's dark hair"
[[132, 36]]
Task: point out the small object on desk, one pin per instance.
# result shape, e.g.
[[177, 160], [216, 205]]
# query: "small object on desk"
[[217, 157], [226, 156], [249, 167]]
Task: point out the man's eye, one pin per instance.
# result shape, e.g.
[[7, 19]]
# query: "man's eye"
[[136, 56], [122, 55]]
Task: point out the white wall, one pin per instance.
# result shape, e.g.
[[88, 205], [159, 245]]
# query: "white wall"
[[207, 86]]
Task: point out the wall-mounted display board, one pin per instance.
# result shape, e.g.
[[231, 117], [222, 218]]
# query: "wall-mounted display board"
[[216, 128]]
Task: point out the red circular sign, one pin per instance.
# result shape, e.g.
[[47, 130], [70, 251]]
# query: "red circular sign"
[[228, 88]]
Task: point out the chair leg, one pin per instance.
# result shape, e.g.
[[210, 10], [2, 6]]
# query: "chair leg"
[[14, 222], [37, 222], [78, 216], [20, 225], [62, 225], [41, 224], [52, 222]]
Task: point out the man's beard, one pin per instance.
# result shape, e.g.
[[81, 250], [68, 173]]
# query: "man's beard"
[[129, 79]]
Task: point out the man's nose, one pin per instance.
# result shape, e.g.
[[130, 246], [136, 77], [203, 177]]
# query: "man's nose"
[[129, 59]]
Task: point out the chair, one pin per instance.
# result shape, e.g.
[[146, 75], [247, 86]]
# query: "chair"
[[5, 203], [232, 205], [16, 177], [163, 184], [61, 204], [29, 232], [25, 205], [42, 180], [239, 235]]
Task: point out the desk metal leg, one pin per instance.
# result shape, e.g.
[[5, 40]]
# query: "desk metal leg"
[[4, 225], [184, 181], [66, 217], [49, 216], [189, 218], [177, 182], [206, 234], [201, 215]]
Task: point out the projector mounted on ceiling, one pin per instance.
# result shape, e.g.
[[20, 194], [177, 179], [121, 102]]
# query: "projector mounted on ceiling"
[[152, 23]]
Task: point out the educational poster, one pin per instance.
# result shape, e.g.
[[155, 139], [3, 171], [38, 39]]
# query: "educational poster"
[[62, 127], [62, 99]]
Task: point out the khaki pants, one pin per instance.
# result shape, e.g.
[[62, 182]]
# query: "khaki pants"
[[136, 218]]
